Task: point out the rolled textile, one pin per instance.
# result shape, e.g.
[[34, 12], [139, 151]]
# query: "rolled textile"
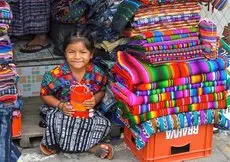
[[145, 130], [140, 118], [130, 32], [208, 35], [136, 72], [124, 94]]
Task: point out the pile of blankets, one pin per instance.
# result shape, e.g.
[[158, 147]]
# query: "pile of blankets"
[[169, 32], [170, 76], [9, 94]]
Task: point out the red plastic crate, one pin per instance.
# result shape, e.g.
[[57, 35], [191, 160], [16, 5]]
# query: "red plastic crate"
[[175, 145], [17, 125]]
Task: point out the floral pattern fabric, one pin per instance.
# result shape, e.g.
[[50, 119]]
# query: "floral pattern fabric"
[[58, 81]]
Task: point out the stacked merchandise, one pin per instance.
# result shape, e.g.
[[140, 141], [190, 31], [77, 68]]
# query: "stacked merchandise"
[[9, 95], [170, 77], [167, 33]]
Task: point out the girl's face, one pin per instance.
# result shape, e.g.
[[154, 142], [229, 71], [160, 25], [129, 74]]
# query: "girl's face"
[[77, 55]]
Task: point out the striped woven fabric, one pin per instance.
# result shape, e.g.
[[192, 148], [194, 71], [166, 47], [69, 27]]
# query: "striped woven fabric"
[[178, 50], [124, 94], [144, 108], [145, 130], [165, 1], [149, 11], [30, 17], [166, 45], [208, 35], [130, 32], [218, 77], [5, 11], [180, 87], [165, 19], [138, 119], [168, 25], [166, 38], [170, 42], [137, 72], [174, 57]]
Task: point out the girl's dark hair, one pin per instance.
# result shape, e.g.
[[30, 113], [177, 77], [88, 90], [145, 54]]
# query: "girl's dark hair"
[[79, 36]]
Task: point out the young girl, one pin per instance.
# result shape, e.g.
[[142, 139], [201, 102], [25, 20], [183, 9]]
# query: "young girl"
[[65, 132]]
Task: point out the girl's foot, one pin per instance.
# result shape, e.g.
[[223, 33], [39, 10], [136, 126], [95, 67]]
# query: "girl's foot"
[[46, 151], [103, 151]]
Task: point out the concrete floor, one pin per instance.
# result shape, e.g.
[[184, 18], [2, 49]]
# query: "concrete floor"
[[220, 153]]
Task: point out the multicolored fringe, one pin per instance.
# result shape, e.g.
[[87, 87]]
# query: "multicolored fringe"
[[145, 130]]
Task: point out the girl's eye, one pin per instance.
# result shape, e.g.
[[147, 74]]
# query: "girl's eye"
[[70, 51]]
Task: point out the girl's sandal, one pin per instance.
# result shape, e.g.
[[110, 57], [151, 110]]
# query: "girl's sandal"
[[100, 151], [227, 39], [226, 31], [46, 151]]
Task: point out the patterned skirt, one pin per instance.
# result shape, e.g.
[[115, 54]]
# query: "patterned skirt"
[[30, 17], [70, 134]]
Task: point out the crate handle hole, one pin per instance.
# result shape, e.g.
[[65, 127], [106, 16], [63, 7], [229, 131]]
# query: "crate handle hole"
[[181, 149], [132, 139]]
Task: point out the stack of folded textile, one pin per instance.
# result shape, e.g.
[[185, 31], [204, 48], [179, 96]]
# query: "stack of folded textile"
[[9, 94], [168, 32], [170, 96], [170, 76]]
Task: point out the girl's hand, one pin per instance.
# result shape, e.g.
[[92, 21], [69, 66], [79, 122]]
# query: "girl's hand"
[[90, 103], [67, 109]]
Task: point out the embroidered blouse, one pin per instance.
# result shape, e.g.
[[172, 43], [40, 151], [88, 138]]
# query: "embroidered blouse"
[[57, 82]]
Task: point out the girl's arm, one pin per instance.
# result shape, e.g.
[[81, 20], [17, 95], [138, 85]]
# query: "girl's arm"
[[54, 102], [97, 97], [51, 100]]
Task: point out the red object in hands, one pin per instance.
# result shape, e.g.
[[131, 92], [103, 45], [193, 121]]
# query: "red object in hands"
[[78, 94]]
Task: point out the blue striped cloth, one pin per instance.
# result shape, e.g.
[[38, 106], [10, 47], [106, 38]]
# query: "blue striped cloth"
[[8, 151]]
